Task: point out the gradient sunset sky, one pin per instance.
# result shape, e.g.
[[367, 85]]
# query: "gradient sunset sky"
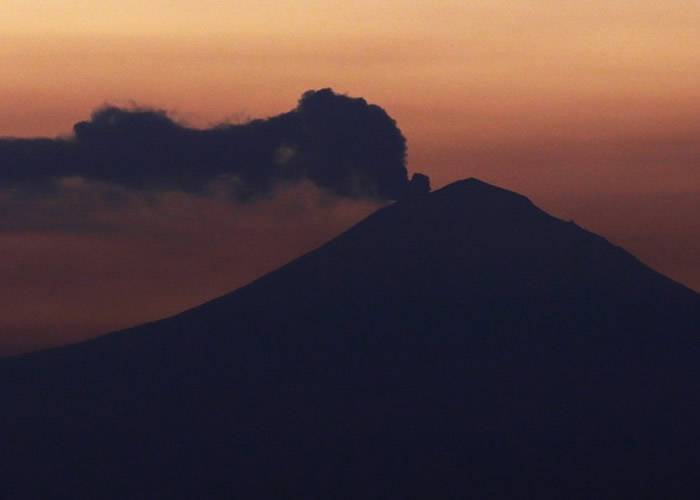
[[590, 108]]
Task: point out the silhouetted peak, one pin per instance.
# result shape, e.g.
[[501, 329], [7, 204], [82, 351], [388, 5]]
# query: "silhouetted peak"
[[455, 215], [478, 197], [476, 187]]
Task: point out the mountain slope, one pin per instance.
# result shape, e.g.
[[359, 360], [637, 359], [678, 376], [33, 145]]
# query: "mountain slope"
[[462, 343]]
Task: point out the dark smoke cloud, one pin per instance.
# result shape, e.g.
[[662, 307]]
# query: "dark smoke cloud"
[[341, 144], [136, 217]]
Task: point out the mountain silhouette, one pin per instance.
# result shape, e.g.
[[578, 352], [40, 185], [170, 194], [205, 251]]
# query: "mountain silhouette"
[[457, 344]]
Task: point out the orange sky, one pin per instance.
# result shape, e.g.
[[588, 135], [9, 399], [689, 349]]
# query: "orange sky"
[[456, 75], [590, 107]]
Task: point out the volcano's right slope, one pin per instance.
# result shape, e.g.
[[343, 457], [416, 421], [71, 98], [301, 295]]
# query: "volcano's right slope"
[[459, 344]]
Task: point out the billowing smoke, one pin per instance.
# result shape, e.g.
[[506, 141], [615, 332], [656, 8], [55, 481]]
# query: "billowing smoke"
[[340, 144], [135, 216]]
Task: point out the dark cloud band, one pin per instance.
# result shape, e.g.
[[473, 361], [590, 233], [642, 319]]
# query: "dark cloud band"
[[339, 143]]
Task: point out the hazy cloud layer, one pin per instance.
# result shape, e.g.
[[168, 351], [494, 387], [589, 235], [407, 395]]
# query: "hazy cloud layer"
[[84, 264]]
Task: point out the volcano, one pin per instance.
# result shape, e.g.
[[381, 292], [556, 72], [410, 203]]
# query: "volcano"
[[457, 344]]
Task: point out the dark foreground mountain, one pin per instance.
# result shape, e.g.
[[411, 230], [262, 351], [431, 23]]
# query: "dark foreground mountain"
[[459, 344]]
